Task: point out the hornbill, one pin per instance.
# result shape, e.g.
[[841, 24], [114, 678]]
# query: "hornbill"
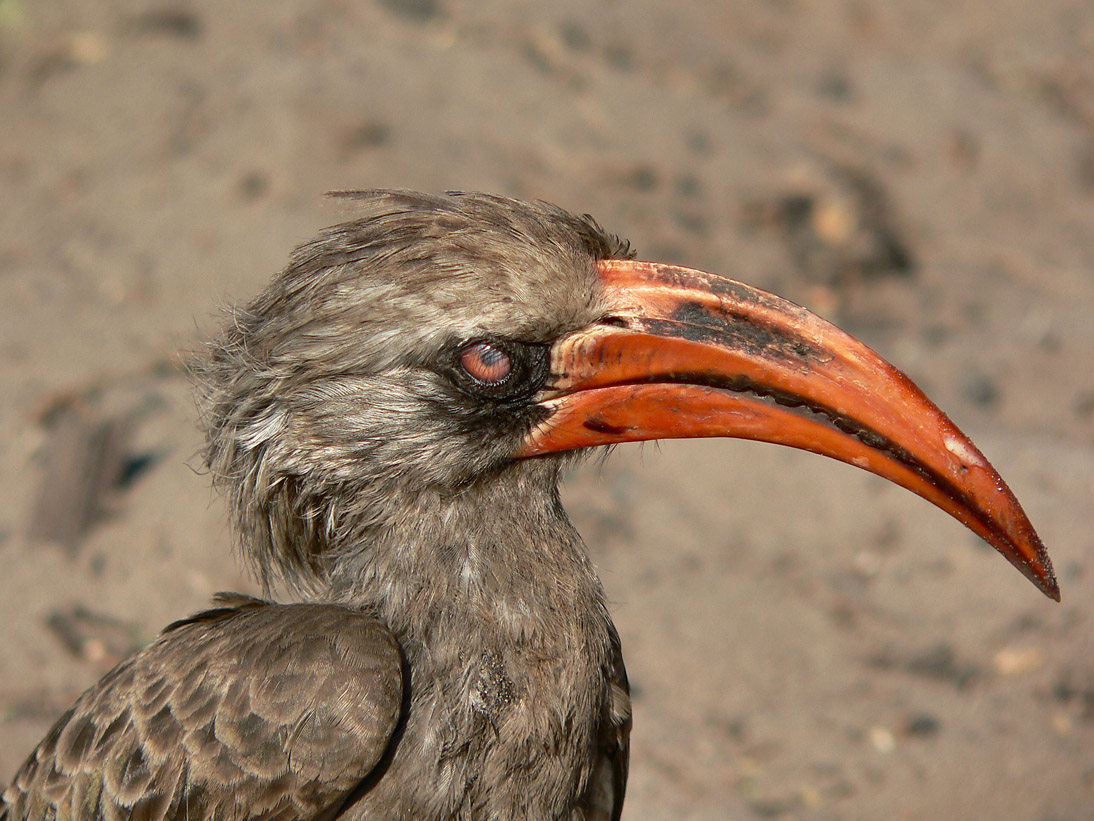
[[389, 419]]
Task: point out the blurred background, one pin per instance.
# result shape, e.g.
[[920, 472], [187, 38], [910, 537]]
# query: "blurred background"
[[804, 640]]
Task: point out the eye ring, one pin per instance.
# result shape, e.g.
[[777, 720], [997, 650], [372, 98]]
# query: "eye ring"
[[485, 363]]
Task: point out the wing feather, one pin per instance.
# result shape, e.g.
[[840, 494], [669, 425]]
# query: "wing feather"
[[603, 799], [249, 710]]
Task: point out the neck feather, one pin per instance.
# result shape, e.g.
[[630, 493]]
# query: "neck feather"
[[500, 556]]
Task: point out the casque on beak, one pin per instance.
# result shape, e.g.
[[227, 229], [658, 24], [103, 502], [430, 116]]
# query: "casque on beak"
[[688, 354]]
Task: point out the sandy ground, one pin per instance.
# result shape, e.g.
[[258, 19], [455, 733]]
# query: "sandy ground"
[[804, 640]]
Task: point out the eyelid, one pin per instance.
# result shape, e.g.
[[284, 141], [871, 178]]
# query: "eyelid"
[[495, 365], [529, 368]]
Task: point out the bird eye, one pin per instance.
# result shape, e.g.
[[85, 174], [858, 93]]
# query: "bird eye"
[[486, 363], [497, 368]]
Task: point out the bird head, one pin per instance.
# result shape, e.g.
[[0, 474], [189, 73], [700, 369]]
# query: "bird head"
[[438, 344]]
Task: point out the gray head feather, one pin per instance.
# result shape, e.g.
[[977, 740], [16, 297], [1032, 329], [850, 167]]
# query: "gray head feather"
[[323, 408]]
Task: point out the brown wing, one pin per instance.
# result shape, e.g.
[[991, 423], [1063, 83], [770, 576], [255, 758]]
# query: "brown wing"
[[603, 800], [251, 710]]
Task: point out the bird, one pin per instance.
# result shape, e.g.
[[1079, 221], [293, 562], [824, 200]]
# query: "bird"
[[389, 420]]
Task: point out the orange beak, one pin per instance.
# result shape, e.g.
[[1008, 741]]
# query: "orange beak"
[[687, 354]]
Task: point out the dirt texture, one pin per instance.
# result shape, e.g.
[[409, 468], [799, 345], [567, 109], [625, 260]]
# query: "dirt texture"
[[804, 640]]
